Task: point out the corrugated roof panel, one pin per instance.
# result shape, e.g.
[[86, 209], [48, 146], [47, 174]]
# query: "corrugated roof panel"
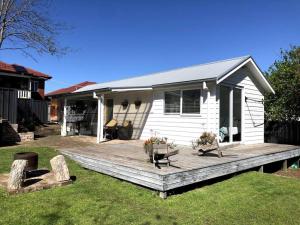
[[205, 71]]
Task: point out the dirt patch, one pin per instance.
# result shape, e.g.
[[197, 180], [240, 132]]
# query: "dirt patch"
[[295, 173], [56, 141], [47, 130]]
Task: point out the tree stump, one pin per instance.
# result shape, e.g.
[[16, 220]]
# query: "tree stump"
[[16, 175], [60, 168]]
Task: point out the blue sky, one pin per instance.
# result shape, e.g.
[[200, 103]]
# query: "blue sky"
[[118, 39]]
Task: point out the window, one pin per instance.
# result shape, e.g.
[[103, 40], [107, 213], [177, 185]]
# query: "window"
[[172, 102], [34, 86], [191, 101]]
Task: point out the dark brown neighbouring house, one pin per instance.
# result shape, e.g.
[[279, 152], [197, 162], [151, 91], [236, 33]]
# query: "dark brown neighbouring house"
[[22, 93], [56, 105]]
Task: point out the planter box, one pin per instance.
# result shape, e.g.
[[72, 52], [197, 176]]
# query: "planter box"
[[159, 153]]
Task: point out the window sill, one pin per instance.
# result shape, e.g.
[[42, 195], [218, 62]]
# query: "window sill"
[[172, 114], [190, 115], [182, 115]]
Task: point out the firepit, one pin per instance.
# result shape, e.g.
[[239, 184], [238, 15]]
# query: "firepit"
[[31, 157]]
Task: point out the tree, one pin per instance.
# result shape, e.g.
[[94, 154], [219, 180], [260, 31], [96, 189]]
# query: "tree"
[[284, 76], [24, 26]]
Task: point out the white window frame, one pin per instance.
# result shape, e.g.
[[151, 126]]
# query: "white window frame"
[[181, 102], [164, 105]]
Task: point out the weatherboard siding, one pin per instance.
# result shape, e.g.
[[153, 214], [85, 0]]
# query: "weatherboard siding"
[[181, 129], [150, 120], [253, 112]]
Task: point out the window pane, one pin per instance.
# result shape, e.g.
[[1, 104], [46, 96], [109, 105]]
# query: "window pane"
[[172, 102], [191, 101]]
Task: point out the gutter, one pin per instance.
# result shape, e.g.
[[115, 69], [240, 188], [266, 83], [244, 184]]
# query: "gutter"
[[135, 88]]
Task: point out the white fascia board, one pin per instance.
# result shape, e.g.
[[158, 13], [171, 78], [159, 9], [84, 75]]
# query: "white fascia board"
[[257, 71], [18, 75], [263, 77], [232, 71]]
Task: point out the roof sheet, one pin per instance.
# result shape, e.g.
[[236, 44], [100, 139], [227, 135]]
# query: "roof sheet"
[[206, 71], [70, 89], [18, 69]]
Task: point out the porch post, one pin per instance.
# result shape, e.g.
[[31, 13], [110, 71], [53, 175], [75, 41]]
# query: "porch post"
[[100, 119], [64, 125], [230, 114], [208, 112], [29, 84]]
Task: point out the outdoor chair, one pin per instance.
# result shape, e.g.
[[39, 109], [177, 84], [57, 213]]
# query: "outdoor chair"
[[110, 129], [125, 131], [161, 154], [204, 149]]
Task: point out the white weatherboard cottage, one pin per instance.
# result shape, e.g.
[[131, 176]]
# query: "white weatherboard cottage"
[[225, 97]]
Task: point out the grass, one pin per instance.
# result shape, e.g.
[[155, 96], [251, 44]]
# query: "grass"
[[250, 198]]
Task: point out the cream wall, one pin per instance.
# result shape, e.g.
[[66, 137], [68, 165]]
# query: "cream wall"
[[137, 115]]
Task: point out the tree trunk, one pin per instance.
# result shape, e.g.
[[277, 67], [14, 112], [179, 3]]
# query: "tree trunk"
[[60, 168], [16, 175]]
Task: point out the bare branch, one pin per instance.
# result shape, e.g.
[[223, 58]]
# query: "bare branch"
[[24, 27]]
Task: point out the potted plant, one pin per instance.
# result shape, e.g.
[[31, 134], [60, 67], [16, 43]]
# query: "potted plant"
[[137, 103], [207, 142], [124, 103], [148, 145]]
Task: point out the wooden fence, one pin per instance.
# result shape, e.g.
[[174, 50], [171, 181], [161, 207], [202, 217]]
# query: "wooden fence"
[[8, 104], [36, 110], [287, 132]]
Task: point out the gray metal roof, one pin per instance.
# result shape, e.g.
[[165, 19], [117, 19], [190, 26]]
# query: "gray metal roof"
[[207, 71]]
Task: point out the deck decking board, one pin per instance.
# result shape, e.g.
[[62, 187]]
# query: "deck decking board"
[[128, 161]]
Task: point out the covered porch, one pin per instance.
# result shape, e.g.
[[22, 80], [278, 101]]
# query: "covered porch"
[[88, 113]]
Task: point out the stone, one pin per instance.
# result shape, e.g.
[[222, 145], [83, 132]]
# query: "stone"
[[26, 136], [60, 168], [16, 175]]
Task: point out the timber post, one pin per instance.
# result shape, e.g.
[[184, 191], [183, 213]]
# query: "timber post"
[[163, 194], [261, 169], [285, 165]]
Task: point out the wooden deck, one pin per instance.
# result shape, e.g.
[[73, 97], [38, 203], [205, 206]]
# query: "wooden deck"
[[126, 160]]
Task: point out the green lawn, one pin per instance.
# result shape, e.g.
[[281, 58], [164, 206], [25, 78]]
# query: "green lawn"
[[250, 198]]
